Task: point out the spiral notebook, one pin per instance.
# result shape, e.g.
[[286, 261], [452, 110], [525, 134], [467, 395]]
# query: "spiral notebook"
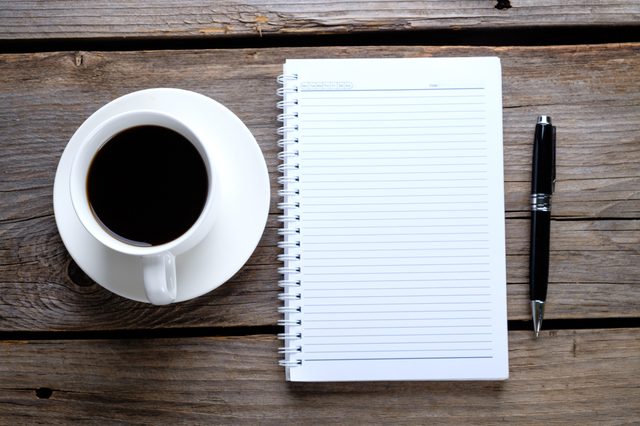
[[393, 220]]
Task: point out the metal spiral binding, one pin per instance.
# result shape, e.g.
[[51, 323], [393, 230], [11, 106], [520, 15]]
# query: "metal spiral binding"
[[291, 295]]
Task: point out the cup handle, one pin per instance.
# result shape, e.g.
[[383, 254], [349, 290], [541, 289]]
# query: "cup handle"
[[160, 278]]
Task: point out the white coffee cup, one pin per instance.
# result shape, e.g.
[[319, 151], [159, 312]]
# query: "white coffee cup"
[[158, 261]]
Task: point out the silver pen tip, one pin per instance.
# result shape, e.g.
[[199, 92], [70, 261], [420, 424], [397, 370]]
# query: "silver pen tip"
[[537, 314], [544, 119]]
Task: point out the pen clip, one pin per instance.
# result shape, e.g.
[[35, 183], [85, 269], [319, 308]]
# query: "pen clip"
[[553, 147]]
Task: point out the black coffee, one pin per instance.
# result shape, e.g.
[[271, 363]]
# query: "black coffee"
[[147, 185]]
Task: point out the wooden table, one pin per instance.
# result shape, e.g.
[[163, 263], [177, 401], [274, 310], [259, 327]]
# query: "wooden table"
[[72, 351]]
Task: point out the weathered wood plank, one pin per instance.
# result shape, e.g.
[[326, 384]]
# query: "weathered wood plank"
[[197, 18], [593, 274], [592, 92], [592, 264], [568, 377]]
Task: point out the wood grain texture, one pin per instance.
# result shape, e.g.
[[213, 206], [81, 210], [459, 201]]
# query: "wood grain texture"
[[198, 18], [592, 92], [566, 377]]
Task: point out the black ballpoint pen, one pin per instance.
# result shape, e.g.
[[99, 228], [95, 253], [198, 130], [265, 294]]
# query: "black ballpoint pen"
[[543, 177]]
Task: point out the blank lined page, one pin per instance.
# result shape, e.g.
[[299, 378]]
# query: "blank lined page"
[[401, 219]]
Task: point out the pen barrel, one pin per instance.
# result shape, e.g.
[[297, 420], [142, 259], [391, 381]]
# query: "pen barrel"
[[543, 160], [539, 255]]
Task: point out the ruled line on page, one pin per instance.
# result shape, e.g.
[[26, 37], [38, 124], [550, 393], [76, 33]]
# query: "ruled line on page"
[[390, 265], [342, 181], [393, 274], [413, 157], [349, 102], [407, 257], [379, 89], [390, 242], [425, 279], [424, 98], [395, 350], [348, 155], [389, 214], [352, 287], [391, 211], [479, 194], [457, 225], [424, 172], [430, 96], [361, 135], [398, 304], [398, 335], [395, 211], [397, 288], [478, 117], [346, 327], [398, 319], [449, 126], [403, 294], [394, 358], [307, 151], [384, 166], [337, 142], [395, 249], [410, 186], [413, 203], [399, 343], [385, 113], [427, 248], [468, 250], [449, 241], [422, 311]]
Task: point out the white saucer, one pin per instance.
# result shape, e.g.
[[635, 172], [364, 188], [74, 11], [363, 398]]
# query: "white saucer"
[[244, 199]]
